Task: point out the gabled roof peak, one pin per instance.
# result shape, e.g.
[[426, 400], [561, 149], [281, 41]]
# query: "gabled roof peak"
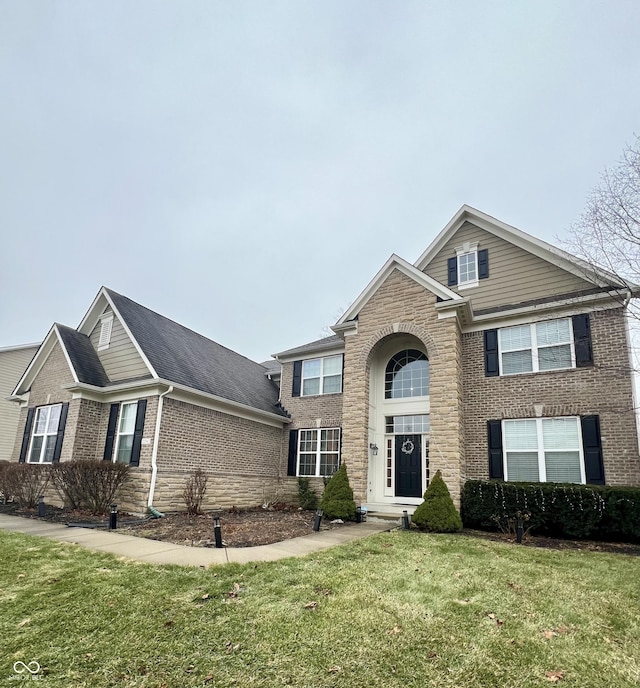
[[527, 242]]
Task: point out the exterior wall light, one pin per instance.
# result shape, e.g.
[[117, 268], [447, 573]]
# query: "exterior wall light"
[[374, 448]]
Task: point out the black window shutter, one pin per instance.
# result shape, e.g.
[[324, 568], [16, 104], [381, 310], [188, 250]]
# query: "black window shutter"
[[297, 378], [496, 466], [483, 263], [26, 435], [111, 432], [582, 340], [491, 366], [592, 446], [452, 271], [57, 450], [137, 433], [293, 452]]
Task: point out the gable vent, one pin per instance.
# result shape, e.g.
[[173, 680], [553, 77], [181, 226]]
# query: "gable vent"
[[105, 332]]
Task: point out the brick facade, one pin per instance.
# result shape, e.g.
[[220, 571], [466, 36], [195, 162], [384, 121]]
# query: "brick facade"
[[243, 458], [603, 389]]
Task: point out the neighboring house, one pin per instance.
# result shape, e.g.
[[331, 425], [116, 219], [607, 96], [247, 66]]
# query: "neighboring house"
[[13, 361], [495, 355]]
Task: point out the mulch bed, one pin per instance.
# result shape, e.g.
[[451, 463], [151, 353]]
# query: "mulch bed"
[[240, 528], [557, 543], [252, 527]]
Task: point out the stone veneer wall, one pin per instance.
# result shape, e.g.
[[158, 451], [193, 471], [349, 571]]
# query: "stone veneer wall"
[[402, 306], [603, 389], [242, 458]]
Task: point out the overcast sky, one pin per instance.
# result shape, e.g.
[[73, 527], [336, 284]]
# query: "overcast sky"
[[245, 168]]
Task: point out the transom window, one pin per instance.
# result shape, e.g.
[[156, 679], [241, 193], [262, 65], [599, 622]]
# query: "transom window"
[[543, 450], [322, 376], [534, 347], [318, 452], [45, 433], [126, 429], [407, 424], [407, 375]]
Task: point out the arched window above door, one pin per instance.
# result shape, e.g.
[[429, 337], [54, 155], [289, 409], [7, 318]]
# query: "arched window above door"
[[407, 375]]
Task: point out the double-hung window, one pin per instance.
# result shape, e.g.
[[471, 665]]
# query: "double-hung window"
[[535, 347], [467, 268], [45, 433], [543, 450], [322, 376], [124, 432], [318, 452], [126, 429]]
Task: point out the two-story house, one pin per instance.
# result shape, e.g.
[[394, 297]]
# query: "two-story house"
[[494, 355]]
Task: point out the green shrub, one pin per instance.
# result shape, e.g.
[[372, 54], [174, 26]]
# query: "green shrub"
[[554, 509], [307, 498], [92, 485], [437, 513], [24, 482], [337, 500]]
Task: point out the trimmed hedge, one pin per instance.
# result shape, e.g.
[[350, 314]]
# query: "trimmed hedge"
[[555, 509]]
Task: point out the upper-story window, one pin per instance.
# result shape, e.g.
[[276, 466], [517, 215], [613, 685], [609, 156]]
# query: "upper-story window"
[[535, 347], [407, 375], [468, 266], [322, 376]]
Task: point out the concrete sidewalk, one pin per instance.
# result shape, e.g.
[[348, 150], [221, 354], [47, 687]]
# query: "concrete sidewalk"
[[155, 552]]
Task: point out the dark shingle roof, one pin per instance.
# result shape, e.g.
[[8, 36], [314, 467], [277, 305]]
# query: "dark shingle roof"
[[319, 345], [84, 358], [181, 355], [271, 367]]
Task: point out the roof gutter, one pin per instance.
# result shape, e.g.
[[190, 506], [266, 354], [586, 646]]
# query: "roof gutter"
[[154, 453]]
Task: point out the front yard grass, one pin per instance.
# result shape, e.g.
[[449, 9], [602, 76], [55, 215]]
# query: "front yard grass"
[[397, 609]]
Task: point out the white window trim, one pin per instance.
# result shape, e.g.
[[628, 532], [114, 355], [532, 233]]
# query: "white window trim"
[[44, 434], [321, 391], [120, 434], [467, 249], [106, 327], [317, 452], [534, 348], [542, 466]]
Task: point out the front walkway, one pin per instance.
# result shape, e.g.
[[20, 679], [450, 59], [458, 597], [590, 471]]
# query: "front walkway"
[[156, 552]]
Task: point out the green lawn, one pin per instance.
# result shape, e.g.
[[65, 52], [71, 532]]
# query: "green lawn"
[[397, 609]]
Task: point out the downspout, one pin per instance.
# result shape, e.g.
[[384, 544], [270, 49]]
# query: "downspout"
[[154, 455]]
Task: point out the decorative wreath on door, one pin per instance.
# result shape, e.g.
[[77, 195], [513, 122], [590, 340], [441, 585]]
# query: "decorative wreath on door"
[[407, 447]]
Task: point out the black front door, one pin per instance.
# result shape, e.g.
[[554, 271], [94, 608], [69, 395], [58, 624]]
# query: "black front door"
[[408, 466]]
